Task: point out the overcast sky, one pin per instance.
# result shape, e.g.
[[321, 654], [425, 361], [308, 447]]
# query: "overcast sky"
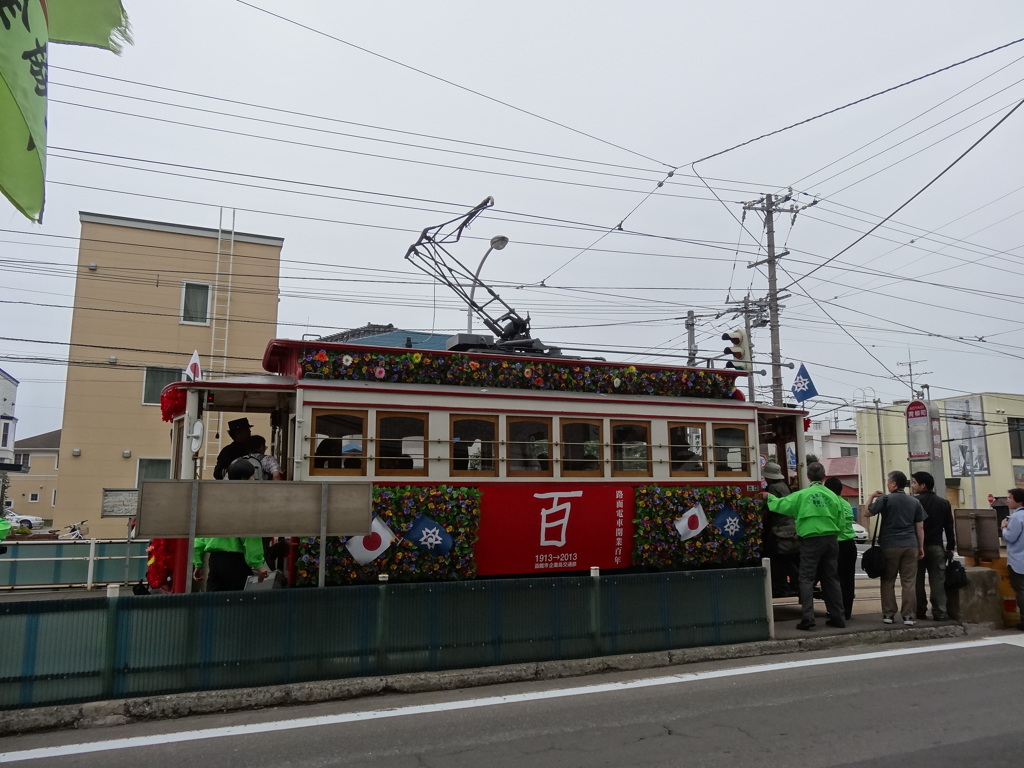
[[347, 128]]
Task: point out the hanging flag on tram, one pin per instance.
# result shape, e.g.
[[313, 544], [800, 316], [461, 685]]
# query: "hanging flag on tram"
[[729, 524], [366, 549], [803, 387], [692, 522], [194, 372], [429, 536]]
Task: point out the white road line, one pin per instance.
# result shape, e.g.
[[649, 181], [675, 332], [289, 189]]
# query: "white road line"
[[47, 753]]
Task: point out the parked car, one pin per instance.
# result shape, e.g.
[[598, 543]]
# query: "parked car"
[[861, 532], [18, 520]]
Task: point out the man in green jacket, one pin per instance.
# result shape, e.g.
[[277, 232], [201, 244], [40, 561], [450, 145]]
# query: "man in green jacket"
[[818, 523], [232, 560]]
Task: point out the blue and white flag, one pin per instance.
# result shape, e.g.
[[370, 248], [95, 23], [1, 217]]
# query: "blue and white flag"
[[429, 536], [729, 524], [803, 387]]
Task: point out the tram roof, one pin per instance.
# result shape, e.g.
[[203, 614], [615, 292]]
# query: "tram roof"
[[316, 359]]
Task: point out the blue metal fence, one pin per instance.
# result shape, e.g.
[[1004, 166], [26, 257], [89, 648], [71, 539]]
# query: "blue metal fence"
[[62, 563], [96, 648]]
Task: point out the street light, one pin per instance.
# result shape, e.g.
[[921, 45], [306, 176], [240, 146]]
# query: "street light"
[[497, 243]]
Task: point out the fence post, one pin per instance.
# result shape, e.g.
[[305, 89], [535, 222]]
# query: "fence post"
[[766, 570], [382, 624], [90, 576], [595, 608]]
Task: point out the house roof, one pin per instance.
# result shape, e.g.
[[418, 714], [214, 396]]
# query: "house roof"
[[376, 335], [842, 466], [46, 441]]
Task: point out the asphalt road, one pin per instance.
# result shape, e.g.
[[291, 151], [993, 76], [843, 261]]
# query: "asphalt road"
[[904, 706]]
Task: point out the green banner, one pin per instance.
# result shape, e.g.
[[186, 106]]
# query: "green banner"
[[98, 23], [23, 45]]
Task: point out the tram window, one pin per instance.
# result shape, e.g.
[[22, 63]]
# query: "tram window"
[[631, 448], [686, 450], [401, 439], [473, 440], [730, 450], [339, 439], [529, 446], [582, 452]]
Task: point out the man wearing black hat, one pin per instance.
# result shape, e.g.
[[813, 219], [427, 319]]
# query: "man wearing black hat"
[[239, 430]]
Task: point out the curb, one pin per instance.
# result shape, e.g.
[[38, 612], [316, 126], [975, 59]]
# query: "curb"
[[99, 714]]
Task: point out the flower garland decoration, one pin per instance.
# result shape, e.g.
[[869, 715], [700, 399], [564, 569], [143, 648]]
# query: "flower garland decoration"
[[160, 563], [656, 542], [457, 509], [353, 364], [172, 403]]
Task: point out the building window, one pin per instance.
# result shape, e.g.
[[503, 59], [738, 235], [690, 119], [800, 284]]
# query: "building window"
[[154, 469], [23, 460], [582, 452], [686, 450], [8, 503], [338, 443], [730, 450], [6, 434], [631, 448], [195, 303], [156, 380], [473, 441], [1016, 429], [401, 443], [53, 498], [33, 497], [529, 446], [848, 450]]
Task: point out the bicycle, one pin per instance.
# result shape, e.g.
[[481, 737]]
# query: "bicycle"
[[76, 531]]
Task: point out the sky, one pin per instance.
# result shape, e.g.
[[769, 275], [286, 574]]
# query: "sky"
[[347, 128]]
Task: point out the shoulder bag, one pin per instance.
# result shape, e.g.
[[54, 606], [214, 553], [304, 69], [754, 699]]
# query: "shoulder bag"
[[873, 561], [956, 574]]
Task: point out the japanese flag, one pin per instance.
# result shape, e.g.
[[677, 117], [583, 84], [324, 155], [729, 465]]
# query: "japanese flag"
[[366, 549], [194, 372], [692, 522]]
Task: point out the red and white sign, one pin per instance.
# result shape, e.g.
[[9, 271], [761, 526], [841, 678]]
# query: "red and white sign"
[[919, 431], [534, 528]]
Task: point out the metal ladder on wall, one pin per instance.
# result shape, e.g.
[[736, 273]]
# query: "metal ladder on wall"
[[220, 314]]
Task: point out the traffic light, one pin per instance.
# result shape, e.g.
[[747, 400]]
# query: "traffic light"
[[739, 348]]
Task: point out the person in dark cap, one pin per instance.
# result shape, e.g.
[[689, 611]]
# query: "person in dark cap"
[[781, 542], [240, 430]]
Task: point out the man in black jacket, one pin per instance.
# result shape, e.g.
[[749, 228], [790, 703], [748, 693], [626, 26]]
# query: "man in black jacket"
[[939, 521], [240, 430]]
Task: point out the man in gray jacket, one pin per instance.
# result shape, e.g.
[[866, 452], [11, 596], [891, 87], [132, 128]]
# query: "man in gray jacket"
[[902, 542]]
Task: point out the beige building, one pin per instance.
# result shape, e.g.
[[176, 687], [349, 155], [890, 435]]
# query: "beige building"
[[33, 489], [982, 440], [147, 295]]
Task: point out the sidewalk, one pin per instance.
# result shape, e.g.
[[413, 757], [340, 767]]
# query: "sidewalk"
[[867, 615]]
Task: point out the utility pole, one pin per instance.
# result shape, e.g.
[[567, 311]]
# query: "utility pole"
[[881, 449], [768, 205], [750, 343], [691, 338]]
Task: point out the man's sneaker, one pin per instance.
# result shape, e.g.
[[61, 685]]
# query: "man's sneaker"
[[887, 619], [835, 623], [908, 621], [940, 616], [805, 625]]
